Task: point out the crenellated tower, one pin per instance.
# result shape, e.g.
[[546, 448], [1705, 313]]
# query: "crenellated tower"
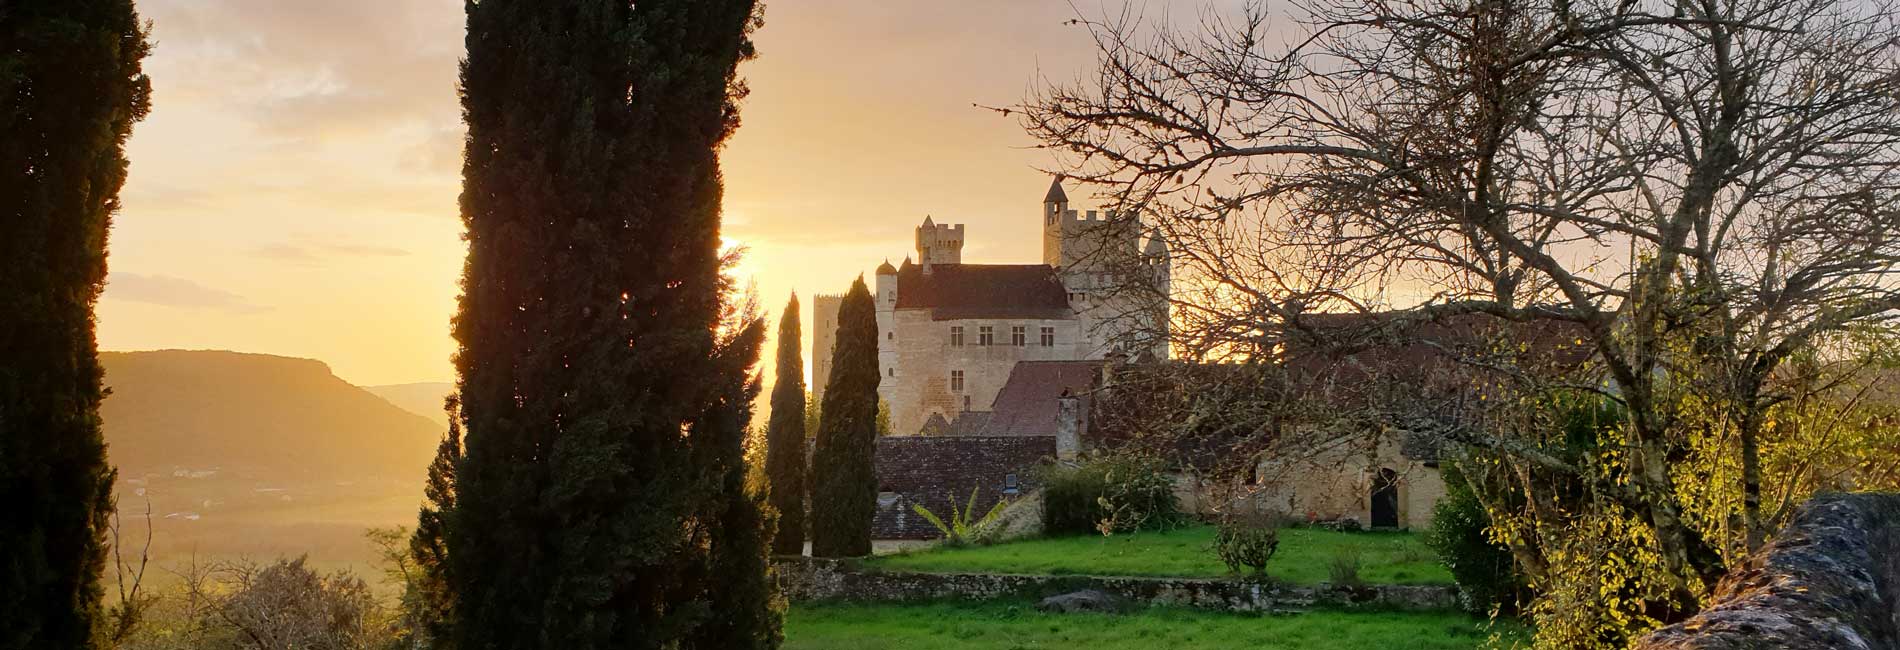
[[939, 244]]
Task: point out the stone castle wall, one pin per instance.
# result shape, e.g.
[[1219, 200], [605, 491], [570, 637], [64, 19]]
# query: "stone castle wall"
[[917, 360], [1831, 579]]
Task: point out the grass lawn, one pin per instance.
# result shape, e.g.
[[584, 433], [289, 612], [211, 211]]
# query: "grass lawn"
[[1017, 626], [1302, 558]]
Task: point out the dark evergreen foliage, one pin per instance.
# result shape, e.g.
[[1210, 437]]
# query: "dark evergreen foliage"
[[1487, 575], [429, 605], [595, 502], [743, 593], [785, 438], [844, 489], [71, 87]]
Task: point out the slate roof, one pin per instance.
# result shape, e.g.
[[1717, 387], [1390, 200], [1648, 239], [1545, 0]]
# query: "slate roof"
[[959, 291], [1026, 405], [1056, 195]]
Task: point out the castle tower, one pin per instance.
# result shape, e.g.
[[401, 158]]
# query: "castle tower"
[[939, 244], [1055, 215]]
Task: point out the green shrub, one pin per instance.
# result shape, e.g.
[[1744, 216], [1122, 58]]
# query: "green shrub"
[[1487, 577], [964, 527], [1343, 568], [1247, 542], [1108, 494]]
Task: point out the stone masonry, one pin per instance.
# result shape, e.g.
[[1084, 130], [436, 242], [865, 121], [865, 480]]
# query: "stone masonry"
[[1831, 579]]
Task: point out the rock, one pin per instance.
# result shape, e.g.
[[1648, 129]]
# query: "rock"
[[1087, 600]]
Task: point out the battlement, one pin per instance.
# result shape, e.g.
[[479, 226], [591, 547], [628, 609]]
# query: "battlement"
[[939, 243]]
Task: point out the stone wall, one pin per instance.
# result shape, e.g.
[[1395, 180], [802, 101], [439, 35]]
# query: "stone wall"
[[931, 470], [1831, 579], [826, 579]]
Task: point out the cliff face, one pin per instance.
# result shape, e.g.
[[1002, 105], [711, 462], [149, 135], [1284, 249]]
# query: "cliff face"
[[1831, 579], [174, 410]]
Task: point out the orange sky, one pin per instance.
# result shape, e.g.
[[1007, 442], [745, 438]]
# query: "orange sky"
[[293, 191]]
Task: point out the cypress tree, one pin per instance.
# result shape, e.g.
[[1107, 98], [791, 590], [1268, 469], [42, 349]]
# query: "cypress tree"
[[741, 588], [429, 602], [593, 502], [71, 87], [844, 493], [785, 438]]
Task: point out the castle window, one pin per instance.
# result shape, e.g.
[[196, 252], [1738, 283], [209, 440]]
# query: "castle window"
[[1048, 337], [956, 381], [890, 372], [966, 402], [986, 335], [956, 336], [1018, 335]]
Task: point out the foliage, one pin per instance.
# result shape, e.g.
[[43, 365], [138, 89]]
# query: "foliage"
[[71, 87], [428, 601], [1109, 493], [785, 451], [1343, 567], [1008, 625], [1488, 580], [964, 526], [1700, 156], [844, 490], [603, 355], [283, 605], [1246, 543], [1300, 558]]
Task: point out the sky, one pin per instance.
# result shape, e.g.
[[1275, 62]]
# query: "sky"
[[293, 191]]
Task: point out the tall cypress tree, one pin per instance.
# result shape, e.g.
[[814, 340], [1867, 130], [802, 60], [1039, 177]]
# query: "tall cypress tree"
[[844, 492], [428, 604], [785, 438], [71, 87], [592, 498]]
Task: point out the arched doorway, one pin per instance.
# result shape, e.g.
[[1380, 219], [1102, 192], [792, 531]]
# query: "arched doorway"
[[1385, 499]]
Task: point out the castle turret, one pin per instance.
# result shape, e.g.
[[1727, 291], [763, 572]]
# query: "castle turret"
[[939, 244], [1055, 207], [886, 286]]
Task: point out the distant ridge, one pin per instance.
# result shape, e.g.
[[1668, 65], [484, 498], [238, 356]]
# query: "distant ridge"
[[421, 398], [254, 414]]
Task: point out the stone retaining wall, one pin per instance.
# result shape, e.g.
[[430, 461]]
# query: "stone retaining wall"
[[1831, 579], [826, 579]]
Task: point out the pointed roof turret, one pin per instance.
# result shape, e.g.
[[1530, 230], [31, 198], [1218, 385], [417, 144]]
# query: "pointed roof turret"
[[1156, 246], [886, 268], [927, 222], [1055, 195]]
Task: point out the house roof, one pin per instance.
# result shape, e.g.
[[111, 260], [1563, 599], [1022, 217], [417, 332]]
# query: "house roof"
[[1026, 405], [959, 291]]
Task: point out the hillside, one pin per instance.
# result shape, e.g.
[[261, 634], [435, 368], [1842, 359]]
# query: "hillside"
[[424, 398], [180, 409], [257, 455]]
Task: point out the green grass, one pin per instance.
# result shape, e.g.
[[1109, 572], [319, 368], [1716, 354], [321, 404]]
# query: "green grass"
[[1302, 558], [1017, 626]]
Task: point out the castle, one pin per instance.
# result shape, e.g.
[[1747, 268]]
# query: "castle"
[[950, 333]]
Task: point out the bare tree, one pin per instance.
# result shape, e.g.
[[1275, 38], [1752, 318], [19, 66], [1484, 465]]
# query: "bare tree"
[[1703, 189]]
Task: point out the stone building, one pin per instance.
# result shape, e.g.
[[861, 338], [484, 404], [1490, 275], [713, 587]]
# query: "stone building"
[[950, 333], [824, 335]]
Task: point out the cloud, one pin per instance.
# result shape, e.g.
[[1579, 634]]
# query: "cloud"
[[176, 292], [313, 253]]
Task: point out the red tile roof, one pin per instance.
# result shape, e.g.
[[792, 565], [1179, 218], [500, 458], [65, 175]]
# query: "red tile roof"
[[958, 291], [1026, 405]]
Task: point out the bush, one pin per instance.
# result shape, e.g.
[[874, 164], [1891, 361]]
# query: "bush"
[[1246, 542], [1108, 494], [964, 526], [1487, 576], [1343, 569]]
